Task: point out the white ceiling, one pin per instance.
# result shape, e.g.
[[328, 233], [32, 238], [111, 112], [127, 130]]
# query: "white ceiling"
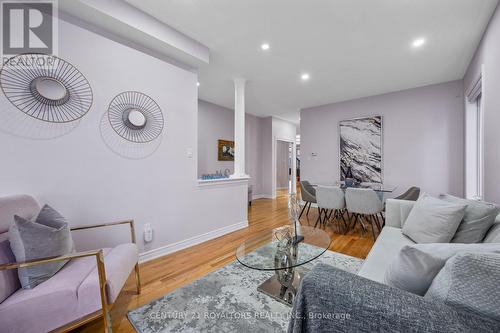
[[351, 48]]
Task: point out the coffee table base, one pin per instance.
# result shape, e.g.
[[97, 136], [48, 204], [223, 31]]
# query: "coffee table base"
[[280, 292]]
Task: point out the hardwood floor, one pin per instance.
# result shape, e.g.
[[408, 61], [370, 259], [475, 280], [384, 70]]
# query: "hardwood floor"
[[167, 273]]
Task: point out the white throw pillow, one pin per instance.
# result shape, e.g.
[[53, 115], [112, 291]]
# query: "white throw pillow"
[[417, 265], [479, 217], [433, 220]]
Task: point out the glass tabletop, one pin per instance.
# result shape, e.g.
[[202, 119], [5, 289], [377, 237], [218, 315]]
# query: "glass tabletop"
[[274, 251], [377, 187]]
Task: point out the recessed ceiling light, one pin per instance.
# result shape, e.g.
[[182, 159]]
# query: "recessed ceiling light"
[[265, 46], [305, 77], [197, 84], [418, 42]]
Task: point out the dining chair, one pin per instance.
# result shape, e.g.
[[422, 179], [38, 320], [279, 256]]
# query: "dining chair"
[[331, 200], [308, 195], [364, 205], [411, 194]]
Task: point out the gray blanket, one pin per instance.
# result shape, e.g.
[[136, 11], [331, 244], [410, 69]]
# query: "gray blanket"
[[332, 300]]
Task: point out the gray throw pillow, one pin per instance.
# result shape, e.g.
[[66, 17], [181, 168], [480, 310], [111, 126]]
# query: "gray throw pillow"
[[469, 282], [433, 220], [47, 236], [478, 218], [493, 234], [416, 266], [9, 282]]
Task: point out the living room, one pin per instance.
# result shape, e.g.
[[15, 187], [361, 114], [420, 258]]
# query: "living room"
[[243, 166]]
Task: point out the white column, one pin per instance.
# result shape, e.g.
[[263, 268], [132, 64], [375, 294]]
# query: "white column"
[[239, 128]]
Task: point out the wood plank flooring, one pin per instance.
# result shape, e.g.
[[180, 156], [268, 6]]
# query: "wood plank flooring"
[[170, 272]]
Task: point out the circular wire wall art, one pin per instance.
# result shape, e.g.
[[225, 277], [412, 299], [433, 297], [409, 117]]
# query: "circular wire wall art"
[[46, 87], [136, 117]]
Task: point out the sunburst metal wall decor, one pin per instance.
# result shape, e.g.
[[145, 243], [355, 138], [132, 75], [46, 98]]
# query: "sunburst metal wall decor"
[[46, 87], [135, 117]]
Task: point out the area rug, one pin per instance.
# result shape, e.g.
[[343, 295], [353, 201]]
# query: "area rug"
[[227, 300]]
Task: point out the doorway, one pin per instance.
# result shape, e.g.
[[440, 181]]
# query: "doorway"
[[284, 165]]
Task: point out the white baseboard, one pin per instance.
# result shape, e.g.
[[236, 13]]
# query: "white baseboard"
[[171, 248]]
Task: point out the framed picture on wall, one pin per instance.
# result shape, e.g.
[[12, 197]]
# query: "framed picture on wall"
[[361, 149], [225, 150]]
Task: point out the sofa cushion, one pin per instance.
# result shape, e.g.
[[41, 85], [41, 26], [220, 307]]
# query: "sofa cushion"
[[469, 281], [478, 218], [433, 220], [118, 263], [47, 236], [416, 266], [397, 211], [49, 305], [493, 235], [9, 282], [405, 210], [385, 249]]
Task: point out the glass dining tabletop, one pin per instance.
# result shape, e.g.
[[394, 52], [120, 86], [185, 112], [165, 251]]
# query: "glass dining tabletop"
[[377, 187], [264, 252]]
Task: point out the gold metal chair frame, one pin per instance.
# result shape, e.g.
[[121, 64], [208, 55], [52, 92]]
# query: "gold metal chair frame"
[[98, 254]]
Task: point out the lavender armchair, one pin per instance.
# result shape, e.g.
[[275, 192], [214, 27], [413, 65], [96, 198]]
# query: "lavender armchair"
[[83, 290]]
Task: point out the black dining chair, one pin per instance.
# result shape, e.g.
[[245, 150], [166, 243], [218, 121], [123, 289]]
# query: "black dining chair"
[[308, 195], [411, 194]]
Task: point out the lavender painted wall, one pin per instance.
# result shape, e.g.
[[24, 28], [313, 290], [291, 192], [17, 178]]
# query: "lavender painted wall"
[[253, 152], [273, 129], [422, 137], [281, 130], [216, 122], [282, 164], [488, 54], [88, 183], [267, 157]]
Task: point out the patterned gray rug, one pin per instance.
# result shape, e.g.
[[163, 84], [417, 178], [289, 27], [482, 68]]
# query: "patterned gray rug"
[[226, 300]]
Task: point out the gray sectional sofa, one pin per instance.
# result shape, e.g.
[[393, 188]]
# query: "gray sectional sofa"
[[331, 300], [391, 240]]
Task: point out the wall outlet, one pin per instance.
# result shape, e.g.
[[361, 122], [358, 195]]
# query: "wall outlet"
[[148, 233]]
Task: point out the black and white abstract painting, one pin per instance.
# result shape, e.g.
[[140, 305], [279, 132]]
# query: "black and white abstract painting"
[[361, 148]]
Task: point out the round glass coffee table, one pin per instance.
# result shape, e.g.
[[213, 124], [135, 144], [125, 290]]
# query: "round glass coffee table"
[[277, 251]]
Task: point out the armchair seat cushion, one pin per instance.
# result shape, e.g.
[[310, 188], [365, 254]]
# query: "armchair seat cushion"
[[119, 262], [69, 295]]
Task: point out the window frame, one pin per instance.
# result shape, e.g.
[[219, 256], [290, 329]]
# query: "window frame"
[[474, 141]]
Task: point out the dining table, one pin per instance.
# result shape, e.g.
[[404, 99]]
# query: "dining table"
[[377, 187]]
